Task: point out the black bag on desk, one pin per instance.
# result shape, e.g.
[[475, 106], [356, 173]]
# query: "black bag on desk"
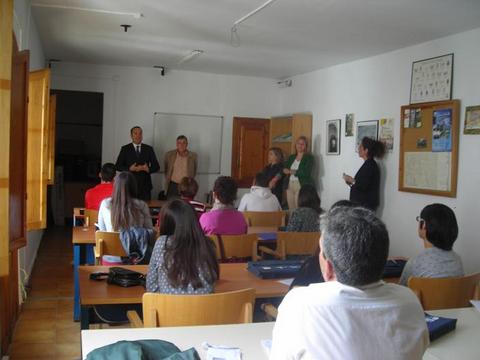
[[124, 277], [275, 269]]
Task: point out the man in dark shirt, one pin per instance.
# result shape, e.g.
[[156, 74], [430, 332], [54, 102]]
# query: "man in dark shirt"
[[140, 160]]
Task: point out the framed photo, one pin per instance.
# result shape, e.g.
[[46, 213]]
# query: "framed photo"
[[366, 129], [348, 125], [472, 120], [432, 79], [385, 133], [333, 137]]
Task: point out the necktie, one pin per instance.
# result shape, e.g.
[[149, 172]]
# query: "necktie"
[[138, 150]]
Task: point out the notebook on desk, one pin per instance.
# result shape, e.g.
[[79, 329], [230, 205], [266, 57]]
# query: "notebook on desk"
[[275, 269], [439, 326]]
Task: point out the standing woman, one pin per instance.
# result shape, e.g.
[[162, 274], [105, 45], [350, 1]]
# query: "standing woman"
[[274, 172], [365, 187], [299, 168]]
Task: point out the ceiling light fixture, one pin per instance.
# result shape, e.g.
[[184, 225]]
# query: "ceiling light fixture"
[[189, 57], [234, 39], [101, 11]]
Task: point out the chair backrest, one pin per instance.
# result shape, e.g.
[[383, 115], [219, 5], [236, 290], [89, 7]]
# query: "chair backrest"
[[234, 307], [91, 217], [297, 243], [265, 218], [235, 246], [108, 243], [446, 293]]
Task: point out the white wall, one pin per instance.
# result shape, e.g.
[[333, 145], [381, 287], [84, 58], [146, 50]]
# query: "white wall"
[[133, 94], [375, 88], [27, 38]]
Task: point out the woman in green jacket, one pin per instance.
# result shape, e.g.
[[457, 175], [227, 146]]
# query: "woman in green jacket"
[[299, 168]]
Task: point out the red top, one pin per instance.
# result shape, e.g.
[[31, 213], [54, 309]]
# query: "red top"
[[95, 195]]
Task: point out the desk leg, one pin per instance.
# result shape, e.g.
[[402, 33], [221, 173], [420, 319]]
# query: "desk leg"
[[84, 318], [90, 256], [76, 296]]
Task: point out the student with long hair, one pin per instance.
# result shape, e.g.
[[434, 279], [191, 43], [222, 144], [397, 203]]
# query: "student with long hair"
[[299, 169], [123, 210], [183, 260], [306, 218], [365, 186]]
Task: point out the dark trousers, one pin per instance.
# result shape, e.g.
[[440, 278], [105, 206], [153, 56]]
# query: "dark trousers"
[[144, 194], [172, 191]]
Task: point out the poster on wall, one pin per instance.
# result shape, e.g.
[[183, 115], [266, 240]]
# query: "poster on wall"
[[442, 130], [366, 129], [385, 133], [348, 125], [432, 79], [472, 120], [333, 137]]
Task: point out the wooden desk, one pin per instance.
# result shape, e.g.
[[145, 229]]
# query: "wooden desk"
[[459, 344], [232, 277], [261, 229]]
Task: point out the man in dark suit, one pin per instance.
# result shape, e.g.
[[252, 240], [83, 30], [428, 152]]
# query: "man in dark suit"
[[140, 160]]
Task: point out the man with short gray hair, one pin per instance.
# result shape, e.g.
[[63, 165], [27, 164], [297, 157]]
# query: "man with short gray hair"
[[353, 314]]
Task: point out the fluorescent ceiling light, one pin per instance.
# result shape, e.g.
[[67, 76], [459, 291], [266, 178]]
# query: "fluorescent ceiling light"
[[189, 57], [121, 13]]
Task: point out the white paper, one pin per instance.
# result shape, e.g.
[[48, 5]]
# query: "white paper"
[[427, 170], [476, 303], [287, 282]]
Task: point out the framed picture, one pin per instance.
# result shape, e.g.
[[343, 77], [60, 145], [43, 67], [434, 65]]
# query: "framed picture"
[[348, 125], [366, 129], [432, 79], [333, 137], [385, 133], [472, 120]]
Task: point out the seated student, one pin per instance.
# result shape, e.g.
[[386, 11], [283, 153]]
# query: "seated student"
[[123, 210], [306, 218], [353, 314], [95, 195], [310, 271], [260, 197], [188, 189], [437, 227], [224, 219], [183, 260]]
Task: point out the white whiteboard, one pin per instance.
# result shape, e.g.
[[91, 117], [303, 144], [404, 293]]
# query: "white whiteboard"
[[204, 135]]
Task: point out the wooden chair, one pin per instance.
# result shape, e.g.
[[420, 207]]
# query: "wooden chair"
[[446, 293], [90, 217], [293, 243], [108, 243], [234, 307], [265, 218], [235, 246]]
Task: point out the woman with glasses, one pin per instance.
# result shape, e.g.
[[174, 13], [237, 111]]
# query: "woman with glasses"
[[437, 227]]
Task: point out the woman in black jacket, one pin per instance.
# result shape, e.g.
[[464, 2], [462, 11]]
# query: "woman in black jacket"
[[365, 186]]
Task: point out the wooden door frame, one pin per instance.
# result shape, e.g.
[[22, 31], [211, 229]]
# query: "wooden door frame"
[[236, 132]]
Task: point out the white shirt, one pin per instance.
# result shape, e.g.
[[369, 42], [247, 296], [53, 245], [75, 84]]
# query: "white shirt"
[[105, 217], [334, 321], [294, 166], [259, 199]]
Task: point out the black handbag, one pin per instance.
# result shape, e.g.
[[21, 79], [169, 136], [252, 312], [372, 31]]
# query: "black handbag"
[[125, 277]]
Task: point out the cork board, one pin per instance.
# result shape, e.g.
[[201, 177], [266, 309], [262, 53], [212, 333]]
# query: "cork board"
[[429, 148]]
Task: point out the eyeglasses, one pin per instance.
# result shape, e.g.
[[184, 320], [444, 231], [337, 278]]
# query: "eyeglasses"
[[420, 220]]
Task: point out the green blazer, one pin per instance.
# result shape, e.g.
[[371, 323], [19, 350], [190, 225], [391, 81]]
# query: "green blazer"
[[304, 172]]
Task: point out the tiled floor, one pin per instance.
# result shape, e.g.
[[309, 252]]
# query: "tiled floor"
[[46, 329]]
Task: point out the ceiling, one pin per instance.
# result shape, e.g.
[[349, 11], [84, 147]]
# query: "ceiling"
[[288, 37]]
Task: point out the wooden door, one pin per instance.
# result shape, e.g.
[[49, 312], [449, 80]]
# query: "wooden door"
[[249, 148], [17, 180]]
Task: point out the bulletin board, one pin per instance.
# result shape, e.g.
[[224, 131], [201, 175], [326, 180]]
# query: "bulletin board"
[[429, 148]]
